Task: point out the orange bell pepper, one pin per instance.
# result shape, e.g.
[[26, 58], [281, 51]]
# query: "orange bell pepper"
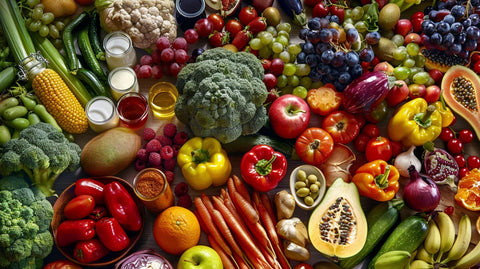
[[377, 180]]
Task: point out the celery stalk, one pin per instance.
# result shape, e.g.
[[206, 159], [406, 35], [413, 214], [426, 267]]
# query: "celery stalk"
[[21, 27], [11, 31]]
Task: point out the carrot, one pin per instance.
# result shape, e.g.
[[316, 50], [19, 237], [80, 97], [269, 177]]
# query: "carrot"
[[227, 262], [241, 188], [267, 204], [241, 264], [245, 209], [212, 230], [200, 221], [229, 204], [244, 239]]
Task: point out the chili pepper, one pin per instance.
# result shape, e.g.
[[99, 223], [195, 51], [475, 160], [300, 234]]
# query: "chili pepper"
[[90, 250], [377, 180], [122, 207], [71, 231], [91, 187], [111, 234], [204, 163], [263, 168], [447, 114], [415, 123], [98, 212]]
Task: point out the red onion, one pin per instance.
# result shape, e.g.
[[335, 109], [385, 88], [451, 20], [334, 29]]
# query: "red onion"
[[421, 193]]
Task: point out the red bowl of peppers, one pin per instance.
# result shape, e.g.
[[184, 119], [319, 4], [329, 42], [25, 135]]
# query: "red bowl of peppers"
[[97, 221]]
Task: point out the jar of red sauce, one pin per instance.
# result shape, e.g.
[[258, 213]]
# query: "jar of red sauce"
[[151, 186]]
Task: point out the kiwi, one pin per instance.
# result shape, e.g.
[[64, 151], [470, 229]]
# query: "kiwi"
[[388, 16], [384, 49]]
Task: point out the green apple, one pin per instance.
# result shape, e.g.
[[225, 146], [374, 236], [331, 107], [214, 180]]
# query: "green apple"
[[200, 257]]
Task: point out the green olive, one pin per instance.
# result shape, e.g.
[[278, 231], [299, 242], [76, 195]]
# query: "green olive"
[[300, 184], [302, 192], [312, 178], [314, 195], [301, 175], [313, 188], [308, 200]]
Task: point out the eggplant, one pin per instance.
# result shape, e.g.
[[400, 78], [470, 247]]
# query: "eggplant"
[[294, 9], [366, 92]]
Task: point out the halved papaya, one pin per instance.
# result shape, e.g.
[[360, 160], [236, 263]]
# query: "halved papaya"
[[337, 227], [435, 59], [461, 92]]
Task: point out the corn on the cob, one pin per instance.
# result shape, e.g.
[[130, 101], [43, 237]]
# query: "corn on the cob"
[[60, 101]]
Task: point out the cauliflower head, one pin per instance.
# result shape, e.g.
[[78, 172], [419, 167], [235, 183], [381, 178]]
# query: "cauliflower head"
[[143, 20], [222, 95]]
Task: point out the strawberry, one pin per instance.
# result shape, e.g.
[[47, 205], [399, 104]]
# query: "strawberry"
[[242, 38], [218, 39]]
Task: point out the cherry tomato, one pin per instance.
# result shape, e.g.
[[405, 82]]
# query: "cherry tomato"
[[473, 162], [396, 148], [257, 25], [371, 130], [466, 136], [446, 134], [460, 159], [339, 11], [234, 26], [360, 142], [418, 14], [342, 126], [247, 14], [319, 10], [79, 207], [217, 21], [378, 148], [303, 266], [314, 146], [462, 172], [455, 146], [203, 27], [324, 100]]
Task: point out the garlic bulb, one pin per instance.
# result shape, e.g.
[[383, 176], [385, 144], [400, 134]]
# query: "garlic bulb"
[[405, 159]]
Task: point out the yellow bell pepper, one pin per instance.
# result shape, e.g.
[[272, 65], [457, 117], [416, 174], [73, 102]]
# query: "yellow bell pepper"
[[447, 114], [415, 123], [204, 163]]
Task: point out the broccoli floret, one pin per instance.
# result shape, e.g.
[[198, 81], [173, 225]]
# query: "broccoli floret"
[[24, 195], [19, 250], [42, 245], [42, 152], [11, 182], [222, 95], [43, 214]]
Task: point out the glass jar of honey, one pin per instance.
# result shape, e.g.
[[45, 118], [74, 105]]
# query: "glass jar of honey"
[[151, 186]]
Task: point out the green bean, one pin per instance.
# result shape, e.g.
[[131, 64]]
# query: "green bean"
[[42, 112], [4, 134], [33, 118], [7, 103], [28, 102], [14, 112], [18, 123]]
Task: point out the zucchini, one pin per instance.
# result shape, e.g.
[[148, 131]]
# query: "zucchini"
[[94, 35], [69, 43], [90, 79], [7, 77], [408, 236], [244, 143], [381, 219], [88, 55]]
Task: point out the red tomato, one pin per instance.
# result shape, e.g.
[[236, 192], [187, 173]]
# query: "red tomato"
[[203, 27], [342, 126], [247, 14], [84, 2], [455, 146], [314, 146], [319, 10], [360, 142], [473, 162], [62, 264], [257, 25], [217, 21], [397, 148], [466, 136], [378, 148], [371, 130], [234, 26], [303, 266], [79, 207], [324, 100]]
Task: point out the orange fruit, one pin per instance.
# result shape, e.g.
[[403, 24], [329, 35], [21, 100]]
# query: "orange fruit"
[[176, 229], [477, 224], [468, 193]]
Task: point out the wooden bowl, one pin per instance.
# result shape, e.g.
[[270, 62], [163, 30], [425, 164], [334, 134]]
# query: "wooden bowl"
[[58, 217]]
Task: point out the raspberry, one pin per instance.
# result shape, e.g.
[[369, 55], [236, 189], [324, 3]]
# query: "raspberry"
[[181, 188], [180, 138], [154, 159], [164, 140], [140, 165], [148, 134], [153, 146], [184, 201], [170, 130], [176, 148], [169, 164], [166, 152], [169, 175], [142, 154]]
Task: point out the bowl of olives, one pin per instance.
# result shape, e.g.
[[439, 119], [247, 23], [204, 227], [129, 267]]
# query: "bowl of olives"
[[307, 185]]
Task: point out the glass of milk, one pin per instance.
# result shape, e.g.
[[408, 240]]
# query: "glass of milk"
[[119, 50], [101, 114], [121, 81]]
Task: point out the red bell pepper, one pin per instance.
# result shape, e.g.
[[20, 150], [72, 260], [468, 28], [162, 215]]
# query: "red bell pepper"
[[111, 234], [71, 231], [79, 207], [263, 168], [91, 187], [90, 250], [98, 213], [122, 207]]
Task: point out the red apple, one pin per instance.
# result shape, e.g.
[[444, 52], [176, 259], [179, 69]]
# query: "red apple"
[[432, 93], [383, 66], [398, 93], [413, 38], [403, 27], [437, 75], [289, 116], [416, 90]]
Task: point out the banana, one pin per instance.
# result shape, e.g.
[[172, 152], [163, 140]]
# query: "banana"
[[470, 259], [462, 242], [395, 259], [447, 231], [420, 264], [423, 254], [433, 240]]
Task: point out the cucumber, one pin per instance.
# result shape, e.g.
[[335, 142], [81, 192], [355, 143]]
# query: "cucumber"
[[381, 219], [408, 236], [244, 143], [7, 77], [88, 55], [97, 86], [94, 35], [73, 62]]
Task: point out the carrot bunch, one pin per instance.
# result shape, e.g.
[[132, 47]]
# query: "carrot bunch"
[[241, 227]]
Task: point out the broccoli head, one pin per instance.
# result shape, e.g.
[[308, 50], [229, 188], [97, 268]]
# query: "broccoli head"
[[222, 95], [25, 217], [42, 152]]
